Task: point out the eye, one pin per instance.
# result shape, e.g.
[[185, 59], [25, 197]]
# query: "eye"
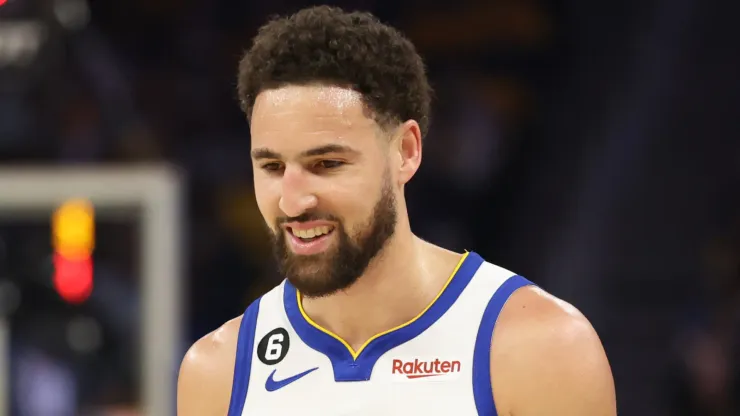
[[272, 166], [329, 164]]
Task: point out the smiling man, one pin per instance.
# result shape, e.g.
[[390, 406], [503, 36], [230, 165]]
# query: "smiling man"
[[371, 319]]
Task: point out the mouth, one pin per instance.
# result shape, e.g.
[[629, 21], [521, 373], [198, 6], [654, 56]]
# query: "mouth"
[[311, 234], [310, 240]]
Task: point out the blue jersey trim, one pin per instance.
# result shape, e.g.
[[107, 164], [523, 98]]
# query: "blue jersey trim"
[[482, 388], [243, 365], [345, 367]]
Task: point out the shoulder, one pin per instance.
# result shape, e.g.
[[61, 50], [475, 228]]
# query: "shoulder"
[[546, 358], [206, 372]]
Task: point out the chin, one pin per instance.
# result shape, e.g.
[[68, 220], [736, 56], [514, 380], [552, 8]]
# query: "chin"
[[320, 283]]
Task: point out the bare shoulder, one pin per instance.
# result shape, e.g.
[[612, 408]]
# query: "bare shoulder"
[[546, 358], [206, 373]]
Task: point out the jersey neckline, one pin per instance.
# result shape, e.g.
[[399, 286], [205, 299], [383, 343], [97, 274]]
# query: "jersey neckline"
[[350, 365]]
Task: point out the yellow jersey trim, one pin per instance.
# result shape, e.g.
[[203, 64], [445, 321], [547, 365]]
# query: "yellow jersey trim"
[[356, 354]]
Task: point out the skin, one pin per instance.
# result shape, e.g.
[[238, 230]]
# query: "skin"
[[546, 357]]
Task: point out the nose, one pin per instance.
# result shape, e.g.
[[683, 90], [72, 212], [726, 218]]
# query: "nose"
[[297, 196]]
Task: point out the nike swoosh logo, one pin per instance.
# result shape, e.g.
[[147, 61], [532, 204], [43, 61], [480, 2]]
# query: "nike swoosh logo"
[[272, 385]]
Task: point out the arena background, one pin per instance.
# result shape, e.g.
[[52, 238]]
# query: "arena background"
[[593, 147]]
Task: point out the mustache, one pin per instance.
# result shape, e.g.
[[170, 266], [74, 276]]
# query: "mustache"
[[306, 217]]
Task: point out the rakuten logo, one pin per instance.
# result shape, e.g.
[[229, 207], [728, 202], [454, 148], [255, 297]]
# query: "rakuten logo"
[[419, 369]]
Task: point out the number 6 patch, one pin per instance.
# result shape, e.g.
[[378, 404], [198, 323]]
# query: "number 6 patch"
[[274, 346]]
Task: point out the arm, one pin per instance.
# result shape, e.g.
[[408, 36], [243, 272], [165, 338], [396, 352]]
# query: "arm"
[[547, 359], [206, 373]]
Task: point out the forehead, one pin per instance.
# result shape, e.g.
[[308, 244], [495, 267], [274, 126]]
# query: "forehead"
[[305, 116]]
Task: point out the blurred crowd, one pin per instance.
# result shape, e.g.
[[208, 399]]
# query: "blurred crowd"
[[589, 148]]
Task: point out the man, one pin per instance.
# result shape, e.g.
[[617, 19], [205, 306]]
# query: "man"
[[371, 319]]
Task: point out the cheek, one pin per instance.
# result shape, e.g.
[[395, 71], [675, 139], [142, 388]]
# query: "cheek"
[[353, 200], [267, 201]]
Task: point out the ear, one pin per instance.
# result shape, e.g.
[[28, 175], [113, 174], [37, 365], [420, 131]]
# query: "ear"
[[408, 146]]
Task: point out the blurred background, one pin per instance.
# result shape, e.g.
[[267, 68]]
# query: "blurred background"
[[593, 147]]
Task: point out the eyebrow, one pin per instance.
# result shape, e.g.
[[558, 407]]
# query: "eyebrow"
[[265, 153]]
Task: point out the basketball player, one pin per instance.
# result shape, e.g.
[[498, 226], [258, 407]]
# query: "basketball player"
[[372, 320]]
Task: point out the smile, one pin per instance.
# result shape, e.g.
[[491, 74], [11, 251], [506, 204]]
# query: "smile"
[[311, 233], [308, 241]]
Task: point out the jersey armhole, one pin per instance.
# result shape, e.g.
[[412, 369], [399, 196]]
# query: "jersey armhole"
[[482, 387], [243, 362]]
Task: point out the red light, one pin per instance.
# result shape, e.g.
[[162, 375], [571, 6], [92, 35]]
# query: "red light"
[[73, 235], [73, 278], [3, 2]]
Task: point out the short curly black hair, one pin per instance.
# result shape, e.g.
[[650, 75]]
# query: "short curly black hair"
[[325, 44]]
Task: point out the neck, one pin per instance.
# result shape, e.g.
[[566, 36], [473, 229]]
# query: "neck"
[[397, 286]]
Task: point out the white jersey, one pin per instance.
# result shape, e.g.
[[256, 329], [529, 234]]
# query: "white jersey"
[[436, 364]]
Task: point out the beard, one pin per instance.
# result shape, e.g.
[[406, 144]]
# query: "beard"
[[340, 266]]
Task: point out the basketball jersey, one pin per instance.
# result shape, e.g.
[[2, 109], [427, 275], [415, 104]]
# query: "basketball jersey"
[[436, 364]]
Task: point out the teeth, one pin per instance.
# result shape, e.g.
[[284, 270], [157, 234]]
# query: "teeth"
[[312, 232]]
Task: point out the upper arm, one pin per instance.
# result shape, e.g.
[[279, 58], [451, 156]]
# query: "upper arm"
[[548, 360], [206, 373]]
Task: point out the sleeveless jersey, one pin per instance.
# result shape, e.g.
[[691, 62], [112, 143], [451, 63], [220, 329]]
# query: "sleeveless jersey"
[[436, 364]]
